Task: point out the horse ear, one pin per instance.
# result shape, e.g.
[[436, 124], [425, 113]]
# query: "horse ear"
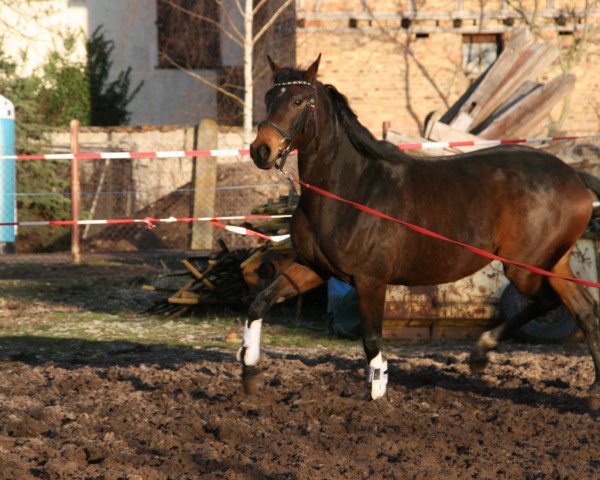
[[274, 67], [311, 72]]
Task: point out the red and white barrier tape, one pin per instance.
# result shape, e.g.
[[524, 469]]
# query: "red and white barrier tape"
[[151, 223], [248, 232], [236, 152], [128, 155], [486, 143]]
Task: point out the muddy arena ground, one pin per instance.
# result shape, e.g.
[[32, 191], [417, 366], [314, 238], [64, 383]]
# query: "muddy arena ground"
[[160, 412], [77, 407]]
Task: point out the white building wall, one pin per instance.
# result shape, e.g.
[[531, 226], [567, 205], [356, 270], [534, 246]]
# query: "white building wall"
[[232, 53], [168, 96], [35, 28]]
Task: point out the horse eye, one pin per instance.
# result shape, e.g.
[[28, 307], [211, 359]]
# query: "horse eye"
[[297, 102]]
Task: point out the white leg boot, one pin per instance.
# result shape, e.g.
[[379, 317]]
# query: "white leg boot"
[[250, 349], [378, 376]]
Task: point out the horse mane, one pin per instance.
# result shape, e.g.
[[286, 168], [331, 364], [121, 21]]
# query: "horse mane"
[[362, 139]]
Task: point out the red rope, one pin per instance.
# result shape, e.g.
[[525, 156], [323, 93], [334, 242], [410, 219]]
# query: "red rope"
[[429, 233]]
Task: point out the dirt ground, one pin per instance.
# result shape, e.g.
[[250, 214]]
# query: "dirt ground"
[[160, 412], [108, 409]]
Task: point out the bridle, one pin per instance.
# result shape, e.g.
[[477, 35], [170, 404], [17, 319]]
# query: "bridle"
[[300, 123]]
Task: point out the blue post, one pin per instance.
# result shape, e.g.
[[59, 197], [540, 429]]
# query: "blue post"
[[7, 175]]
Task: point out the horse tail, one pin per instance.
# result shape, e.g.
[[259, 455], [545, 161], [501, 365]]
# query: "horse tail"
[[591, 182]]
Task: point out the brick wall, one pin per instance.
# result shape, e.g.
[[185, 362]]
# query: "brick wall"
[[396, 74]]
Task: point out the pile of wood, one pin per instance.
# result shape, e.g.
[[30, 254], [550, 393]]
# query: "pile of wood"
[[228, 277], [284, 205], [506, 101], [206, 281]]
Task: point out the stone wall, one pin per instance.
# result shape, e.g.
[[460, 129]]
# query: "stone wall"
[[146, 179]]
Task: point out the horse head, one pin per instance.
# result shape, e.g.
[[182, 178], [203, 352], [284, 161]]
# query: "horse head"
[[290, 106]]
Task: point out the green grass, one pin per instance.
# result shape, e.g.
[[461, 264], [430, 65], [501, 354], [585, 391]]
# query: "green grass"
[[103, 302]]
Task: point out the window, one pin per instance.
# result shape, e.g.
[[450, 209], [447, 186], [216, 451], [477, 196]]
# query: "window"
[[189, 34], [479, 52]]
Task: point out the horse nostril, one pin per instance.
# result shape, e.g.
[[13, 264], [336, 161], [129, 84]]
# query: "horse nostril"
[[261, 152], [260, 155], [264, 152]]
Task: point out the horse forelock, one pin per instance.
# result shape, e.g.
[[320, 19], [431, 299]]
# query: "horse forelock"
[[286, 74], [289, 74]]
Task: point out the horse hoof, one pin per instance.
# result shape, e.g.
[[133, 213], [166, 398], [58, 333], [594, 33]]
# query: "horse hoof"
[[377, 390], [251, 379], [477, 363], [594, 402], [594, 396]]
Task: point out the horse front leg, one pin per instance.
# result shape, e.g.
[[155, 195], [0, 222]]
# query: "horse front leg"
[[371, 300], [294, 280]]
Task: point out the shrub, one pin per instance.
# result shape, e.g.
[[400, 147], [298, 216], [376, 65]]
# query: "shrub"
[[60, 90]]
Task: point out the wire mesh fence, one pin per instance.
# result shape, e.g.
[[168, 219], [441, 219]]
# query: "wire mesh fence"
[[137, 188]]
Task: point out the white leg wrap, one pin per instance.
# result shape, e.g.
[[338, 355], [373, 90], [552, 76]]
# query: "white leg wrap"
[[251, 343], [487, 342], [378, 376]]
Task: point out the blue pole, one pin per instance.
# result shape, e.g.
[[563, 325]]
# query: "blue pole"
[[7, 175]]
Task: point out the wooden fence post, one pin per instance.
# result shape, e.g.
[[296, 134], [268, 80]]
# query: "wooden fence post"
[[204, 182], [75, 192]]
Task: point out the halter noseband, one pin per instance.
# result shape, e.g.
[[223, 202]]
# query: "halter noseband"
[[300, 122]]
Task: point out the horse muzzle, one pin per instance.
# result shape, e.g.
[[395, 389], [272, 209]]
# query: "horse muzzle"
[[262, 155]]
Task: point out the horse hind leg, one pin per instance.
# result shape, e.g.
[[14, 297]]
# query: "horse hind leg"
[[294, 280], [542, 299], [541, 303], [584, 310]]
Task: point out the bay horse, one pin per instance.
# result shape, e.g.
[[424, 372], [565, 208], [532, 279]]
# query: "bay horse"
[[520, 203]]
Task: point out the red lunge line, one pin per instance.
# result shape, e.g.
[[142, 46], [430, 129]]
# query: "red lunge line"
[[429, 233]]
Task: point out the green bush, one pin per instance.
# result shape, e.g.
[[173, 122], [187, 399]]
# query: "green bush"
[[108, 100], [60, 90]]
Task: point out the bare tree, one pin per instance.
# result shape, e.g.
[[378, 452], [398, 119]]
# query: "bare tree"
[[209, 21], [23, 11]]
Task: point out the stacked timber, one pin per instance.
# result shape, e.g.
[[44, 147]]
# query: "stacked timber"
[[506, 101], [284, 205], [228, 277], [216, 280]]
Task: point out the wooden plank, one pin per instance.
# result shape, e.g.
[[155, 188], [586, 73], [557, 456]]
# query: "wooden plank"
[[398, 138], [465, 332], [527, 67], [199, 275], [533, 123], [440, 329], [526, 89], [529, 114], [496, 74], [500, 124], [184, 301], [440, 132], [462, 122], [397, 330], [455, 109]]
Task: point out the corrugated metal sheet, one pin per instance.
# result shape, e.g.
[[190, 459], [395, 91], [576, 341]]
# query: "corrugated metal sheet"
[[473, 297]]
